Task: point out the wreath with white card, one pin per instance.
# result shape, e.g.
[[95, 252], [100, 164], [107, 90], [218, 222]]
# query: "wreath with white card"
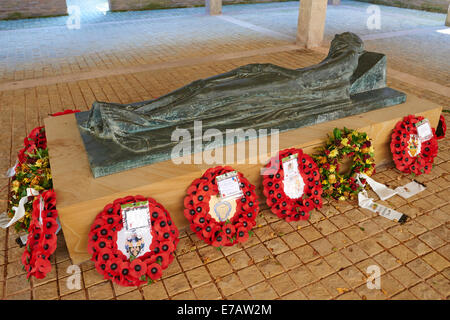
[[292, 186], [132, 240], [221, 207], [414, 145]]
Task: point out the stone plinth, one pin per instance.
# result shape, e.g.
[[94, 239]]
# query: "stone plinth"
[[80, 197]]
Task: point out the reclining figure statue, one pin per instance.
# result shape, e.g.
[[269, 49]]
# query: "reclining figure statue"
[[348, 81]]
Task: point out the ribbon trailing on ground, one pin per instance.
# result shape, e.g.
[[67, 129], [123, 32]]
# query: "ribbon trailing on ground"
[[19, 211], [406, 191]]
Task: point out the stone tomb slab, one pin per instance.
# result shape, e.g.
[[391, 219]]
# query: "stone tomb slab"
[[80, 196]]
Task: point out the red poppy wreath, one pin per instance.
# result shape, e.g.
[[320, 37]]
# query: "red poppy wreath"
[[441, 129], [41, 242], [132, 256], [411, 152], [294, 188], [217, 219]]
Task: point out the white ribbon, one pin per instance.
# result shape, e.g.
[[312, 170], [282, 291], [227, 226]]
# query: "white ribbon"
[[367, 203], [19, 211], [380, 189], [11, 171], [406, 191]]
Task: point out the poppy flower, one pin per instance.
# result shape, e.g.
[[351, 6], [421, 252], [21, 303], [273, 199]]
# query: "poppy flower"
[[166, 246], [228, 230], [242, 235], [154, 271], [137, 268], [208, 230], [201, 220], [163, 259], [220, 240], [50, 226], [43, 265]]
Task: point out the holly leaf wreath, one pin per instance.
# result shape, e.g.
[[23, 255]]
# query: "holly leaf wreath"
[[112, 263], [41, 242], [197, 210], [345, 143], [410, 154], [285, 207]]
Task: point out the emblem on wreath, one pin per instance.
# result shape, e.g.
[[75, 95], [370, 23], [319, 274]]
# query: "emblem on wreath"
[[414, 145], [134, 245]]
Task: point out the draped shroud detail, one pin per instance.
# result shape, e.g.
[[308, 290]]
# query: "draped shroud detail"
[[257, 96]]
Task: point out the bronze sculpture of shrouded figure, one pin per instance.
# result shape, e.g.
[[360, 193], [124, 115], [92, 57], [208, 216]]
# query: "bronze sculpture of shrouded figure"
[[348, 81]]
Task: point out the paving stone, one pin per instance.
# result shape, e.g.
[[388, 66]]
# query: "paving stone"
[[240, 260], [208, 291], [302, 276], [387, 260], [293, 240], [425, 292], [189, 260], [241, 295], [154, 291], [310, 233], [296, 295], [352, 276], [417, 246], [209, 254], [250, 276], [339, 240], [436, 261], [133, 295], [354, 253], [322, 246], [230, 284], [288, 260], [316, 291], [421, 268], [78, 295], [276, 246], [325, 227], [270, 267], [335, 285], [102, 291], [188, 295], [337, 261], [402, 253], [306, 253], [198, 276], [258, 253], [440, 284], [176, 284], [405, 276], [219, 268], [265, 233], [282, 284], [262, 291]]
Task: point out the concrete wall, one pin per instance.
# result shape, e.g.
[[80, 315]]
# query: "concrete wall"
[[429, 5], [16, 9], [119, 5]]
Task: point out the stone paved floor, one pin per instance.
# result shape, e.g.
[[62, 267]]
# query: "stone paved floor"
[[46, 68]]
